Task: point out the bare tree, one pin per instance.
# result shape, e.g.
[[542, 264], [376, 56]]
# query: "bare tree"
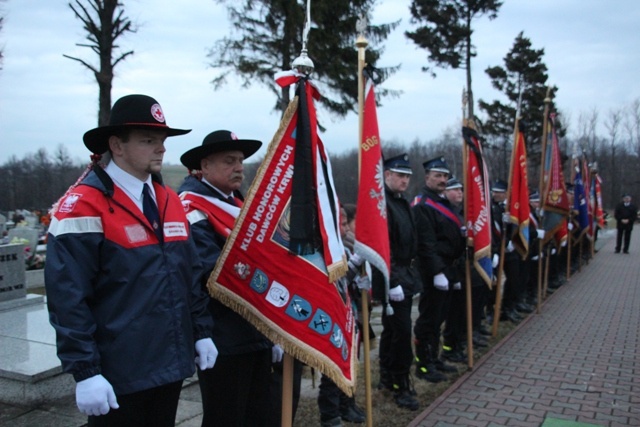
[[612, 124], [1, 22], [104, 23]]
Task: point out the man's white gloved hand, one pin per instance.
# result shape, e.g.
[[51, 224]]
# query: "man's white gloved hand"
[[495, 260], [535, 258], [553, 251], [457, 286], [510, 247], [570, 226], [506, 218], [396, 294], [206, 353], [563, 244], [363, 282], [440, 282], [540, 233], [95, 396], [276, 353]]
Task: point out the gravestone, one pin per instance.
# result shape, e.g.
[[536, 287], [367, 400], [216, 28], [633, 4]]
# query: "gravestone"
[[28, 234], [12, 278]]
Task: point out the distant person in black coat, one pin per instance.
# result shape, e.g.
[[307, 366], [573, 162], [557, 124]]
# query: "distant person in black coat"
[[625, 215]]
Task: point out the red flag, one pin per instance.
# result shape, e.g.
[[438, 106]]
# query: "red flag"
[[597, 184], [586, 178], [518, 201], [554, 198], [372, 235], [477, 216], [267, 271]]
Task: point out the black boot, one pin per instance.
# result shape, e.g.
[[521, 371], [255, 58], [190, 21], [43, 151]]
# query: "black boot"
[[403, 394], [386, 382], [425, 365]]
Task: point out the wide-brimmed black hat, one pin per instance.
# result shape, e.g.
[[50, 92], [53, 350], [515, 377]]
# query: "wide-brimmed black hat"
[[129, 112], [215, 142]]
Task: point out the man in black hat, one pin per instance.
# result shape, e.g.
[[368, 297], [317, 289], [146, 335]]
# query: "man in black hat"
[[236, 391], [625, 214], [396, 354], [121, 277], [440, 245]]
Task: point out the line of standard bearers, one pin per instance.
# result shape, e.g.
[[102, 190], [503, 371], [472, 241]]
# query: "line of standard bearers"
[[133, 320]]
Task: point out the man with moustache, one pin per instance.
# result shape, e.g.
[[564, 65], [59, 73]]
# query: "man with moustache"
[[440, 244], [236, 391]]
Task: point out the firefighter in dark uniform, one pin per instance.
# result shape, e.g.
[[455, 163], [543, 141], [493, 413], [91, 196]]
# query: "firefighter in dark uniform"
[[396, 354], [440, 244]]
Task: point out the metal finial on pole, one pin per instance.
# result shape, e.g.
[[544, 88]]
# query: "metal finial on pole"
[[303, 64]]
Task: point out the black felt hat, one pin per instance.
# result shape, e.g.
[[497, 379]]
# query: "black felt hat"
[[215, 142], [129, 112]]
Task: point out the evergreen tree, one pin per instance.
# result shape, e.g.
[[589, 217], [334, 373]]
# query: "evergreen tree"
[[446, 32], [102, 32], [268, 37], [524, 75]]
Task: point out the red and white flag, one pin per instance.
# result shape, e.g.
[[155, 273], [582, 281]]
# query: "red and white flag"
[[278, 269], [518, 201], [372, 235]]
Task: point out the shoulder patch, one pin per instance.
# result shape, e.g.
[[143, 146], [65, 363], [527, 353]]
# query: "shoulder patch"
[[69, 202]]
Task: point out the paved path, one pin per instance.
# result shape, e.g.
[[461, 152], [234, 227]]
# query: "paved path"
[[578, 360]]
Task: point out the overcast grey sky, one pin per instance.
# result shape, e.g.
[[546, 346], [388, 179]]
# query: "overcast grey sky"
[[591, 50]]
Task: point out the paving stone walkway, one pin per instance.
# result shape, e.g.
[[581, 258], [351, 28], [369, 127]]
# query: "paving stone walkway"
[[578, 360]]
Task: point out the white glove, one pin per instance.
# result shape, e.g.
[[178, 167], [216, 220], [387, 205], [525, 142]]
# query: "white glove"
[[535, 258], [276, 353], [506, 218], [363, 282], [495, 260], [396, 294], [510, 247], [570, 226], [540, 233], [563, 244], [457, 286], [553, 251], [95, 396], [206, 353], [440, 282]]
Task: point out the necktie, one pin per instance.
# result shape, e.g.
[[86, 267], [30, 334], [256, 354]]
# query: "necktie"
[[150, 210], [232, 200]]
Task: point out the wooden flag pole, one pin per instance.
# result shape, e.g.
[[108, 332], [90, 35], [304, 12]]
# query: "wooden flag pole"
[[468, 248], [542, 192], [287, 390], [361, 44]]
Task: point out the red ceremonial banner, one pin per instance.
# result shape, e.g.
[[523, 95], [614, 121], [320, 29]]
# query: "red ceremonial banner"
[[372, 235], [289, 297], [477, 216], [554, 199], [518, 201]]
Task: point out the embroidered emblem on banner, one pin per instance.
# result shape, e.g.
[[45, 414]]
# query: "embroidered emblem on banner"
[[337, 338], [242, 270], [278, 295], [69, 203], [299, 308], [260, 282], [321, 322]]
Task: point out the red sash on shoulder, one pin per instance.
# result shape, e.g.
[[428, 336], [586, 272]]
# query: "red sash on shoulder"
[[444, 210], [220, 214]]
